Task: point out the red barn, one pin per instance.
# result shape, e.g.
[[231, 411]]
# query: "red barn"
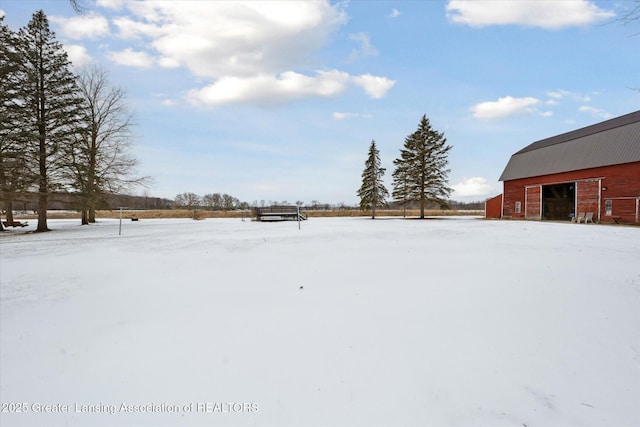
[[594, 170]]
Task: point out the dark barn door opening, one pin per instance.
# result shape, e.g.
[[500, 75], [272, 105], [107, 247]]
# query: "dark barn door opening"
[[558, 201]]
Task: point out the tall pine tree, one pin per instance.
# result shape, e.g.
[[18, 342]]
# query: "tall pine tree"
[[52, 106], [421, 175], [373, 193], [14, 174]]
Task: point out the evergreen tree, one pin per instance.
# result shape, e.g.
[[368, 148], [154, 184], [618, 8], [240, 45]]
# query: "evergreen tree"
[[400, 191], [52, 106], [421, 175], [14, 175], [373, 193]]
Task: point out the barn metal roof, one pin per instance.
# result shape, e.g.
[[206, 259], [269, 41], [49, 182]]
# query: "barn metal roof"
[[611, 142]]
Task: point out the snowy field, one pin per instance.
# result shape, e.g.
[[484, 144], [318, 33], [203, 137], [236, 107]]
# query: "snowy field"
[[346, 322]]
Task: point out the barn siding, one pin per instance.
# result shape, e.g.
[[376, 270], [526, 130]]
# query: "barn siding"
[[533, 202], [588, 197], [618, 182], [623, 208], [493, 207]]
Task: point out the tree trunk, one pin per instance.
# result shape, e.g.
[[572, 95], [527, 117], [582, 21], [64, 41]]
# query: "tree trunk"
[[9, 211], [91, 178], [92, 212], [85, 219], [422, 200], [43, 188], [42, 212], [43, 199]]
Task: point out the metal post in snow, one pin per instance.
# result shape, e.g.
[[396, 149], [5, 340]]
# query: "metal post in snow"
[[120, 227], [298, 217]]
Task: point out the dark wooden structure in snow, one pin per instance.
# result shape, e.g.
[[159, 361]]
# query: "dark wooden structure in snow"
[[279, 213], [493, 207], [593, 169]]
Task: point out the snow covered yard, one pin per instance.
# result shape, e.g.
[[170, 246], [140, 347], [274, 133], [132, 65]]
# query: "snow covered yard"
[[346, 322]]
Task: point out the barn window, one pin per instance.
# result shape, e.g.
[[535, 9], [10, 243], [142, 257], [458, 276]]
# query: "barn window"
[[518, 207], [608, 207]]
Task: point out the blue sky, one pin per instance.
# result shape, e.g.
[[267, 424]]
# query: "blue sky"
[[280, 100]]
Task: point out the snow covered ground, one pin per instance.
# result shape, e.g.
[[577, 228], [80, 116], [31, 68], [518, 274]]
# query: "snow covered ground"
[[346, 322]]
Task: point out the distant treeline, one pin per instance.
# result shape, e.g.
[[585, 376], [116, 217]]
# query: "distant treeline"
[[72, 202]]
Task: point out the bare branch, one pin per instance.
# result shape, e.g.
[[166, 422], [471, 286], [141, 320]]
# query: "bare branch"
[[102, 156], [78, 6], [632, 14]]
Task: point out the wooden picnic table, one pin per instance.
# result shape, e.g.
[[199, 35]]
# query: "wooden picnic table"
[[14, 223]]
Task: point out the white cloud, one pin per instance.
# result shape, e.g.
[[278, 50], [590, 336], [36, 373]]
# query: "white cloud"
[[77, 54], [110, 4], [546, 113], [472, 187], [129, 28], [556, 94], [2, 13], [533, 13], [240, 38], [251, 51], [595, 112], [394, 13], [268, 89], [82, 27], [131, 58], [168, 102], [504, 107], [168, 62], [375, 86], [564, 94], [344, 116], [366, 49]]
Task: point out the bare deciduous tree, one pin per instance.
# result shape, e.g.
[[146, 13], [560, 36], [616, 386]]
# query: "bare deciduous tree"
[[229, 202], [78, 6], [188, 200], [212, 201], [100, 161], [632, 14]]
